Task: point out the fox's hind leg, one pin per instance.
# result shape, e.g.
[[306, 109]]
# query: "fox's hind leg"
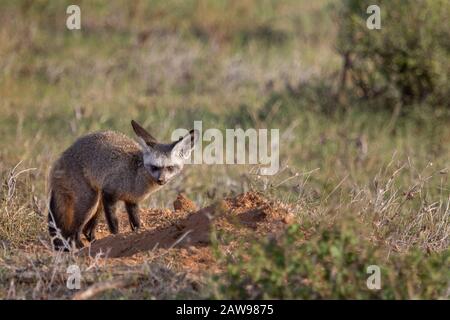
[[89, 228], [85, 203], [75, 240]]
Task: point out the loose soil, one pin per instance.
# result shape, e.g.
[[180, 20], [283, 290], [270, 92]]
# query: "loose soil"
[[184, 234]]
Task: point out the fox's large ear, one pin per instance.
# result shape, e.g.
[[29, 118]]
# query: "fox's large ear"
[[143, 134], [184, 146]]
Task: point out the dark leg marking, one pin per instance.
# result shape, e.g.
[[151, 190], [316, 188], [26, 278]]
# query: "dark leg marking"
[[109, 205], [75, 241], [133, 215], [78, 243], [89, 228]]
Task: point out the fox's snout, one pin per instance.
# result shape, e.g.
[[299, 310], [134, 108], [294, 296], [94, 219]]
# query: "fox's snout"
[[161, 182]]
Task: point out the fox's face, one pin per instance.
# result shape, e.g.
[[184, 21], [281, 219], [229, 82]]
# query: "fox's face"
[[164, 161]]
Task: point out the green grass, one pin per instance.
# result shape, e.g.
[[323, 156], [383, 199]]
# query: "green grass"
[[263, 64]]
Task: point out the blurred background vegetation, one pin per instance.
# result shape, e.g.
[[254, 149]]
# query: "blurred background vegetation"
[[363, 114]]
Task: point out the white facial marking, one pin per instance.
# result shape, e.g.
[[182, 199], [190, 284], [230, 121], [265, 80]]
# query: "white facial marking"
[[160, 166], [157, 159]]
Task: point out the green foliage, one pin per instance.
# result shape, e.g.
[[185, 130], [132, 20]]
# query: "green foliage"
[[407, 61], [332, 264]]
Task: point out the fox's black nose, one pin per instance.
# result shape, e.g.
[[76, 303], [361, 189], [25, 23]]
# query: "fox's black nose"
[[160, 181]]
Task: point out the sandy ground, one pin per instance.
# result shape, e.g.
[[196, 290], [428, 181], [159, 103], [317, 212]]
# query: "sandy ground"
[[185, 232]]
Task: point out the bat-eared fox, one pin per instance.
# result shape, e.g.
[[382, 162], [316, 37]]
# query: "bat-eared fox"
[[102, 168]]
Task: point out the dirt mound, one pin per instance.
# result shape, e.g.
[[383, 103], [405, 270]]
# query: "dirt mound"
[[182, 203], [188, 229]]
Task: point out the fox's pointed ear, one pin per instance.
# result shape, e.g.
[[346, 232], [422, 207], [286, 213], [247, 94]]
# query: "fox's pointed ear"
[[184, 146], [143, 134]]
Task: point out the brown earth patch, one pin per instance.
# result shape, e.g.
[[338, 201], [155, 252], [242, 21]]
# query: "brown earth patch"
[[185, 233]]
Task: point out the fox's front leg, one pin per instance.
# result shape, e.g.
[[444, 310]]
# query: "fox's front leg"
[[133, 215], [109, 205]]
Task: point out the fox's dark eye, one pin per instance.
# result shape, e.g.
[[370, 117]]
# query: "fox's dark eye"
[[154, 168], [170, 168]]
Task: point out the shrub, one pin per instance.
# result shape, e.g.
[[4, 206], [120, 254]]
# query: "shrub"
[[407, 61], [332, 264]]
